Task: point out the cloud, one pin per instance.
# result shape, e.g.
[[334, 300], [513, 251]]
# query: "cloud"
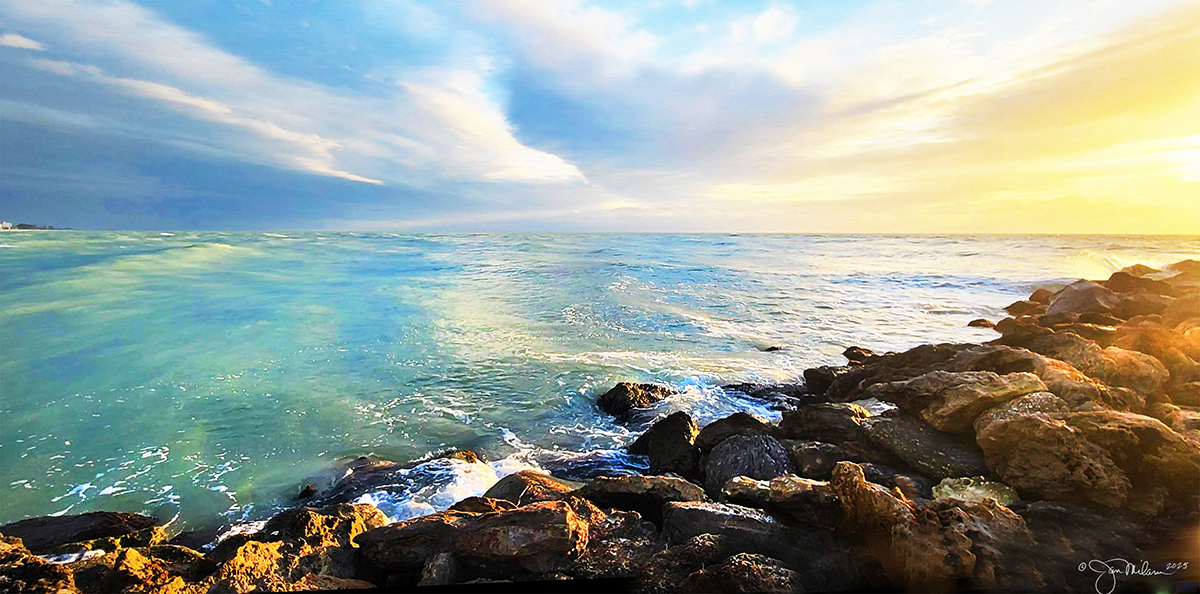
[[14, 40]]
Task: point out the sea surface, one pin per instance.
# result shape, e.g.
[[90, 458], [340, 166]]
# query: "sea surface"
[[204, 377]]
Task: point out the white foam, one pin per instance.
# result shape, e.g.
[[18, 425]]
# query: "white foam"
[[73, 557]]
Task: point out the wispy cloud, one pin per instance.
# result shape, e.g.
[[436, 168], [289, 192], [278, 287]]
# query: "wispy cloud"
[[14, 40]]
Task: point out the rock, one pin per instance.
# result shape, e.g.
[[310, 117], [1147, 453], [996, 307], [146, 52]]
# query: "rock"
[[814, 459], [1113, 366], [1125, 282], [643, 494], [44, 534], [403, 548], [975, 490], [1025, 307], [754, 456], [367, 474], [1077, 389], [1044, 458], [1082, 296], [1184, 421], [528, 486], [325, 583], [1162, 466], [870, 509], [826, 422], [818, 379], [739, 423], [667, 568], [540, 538], [1101, 335], [932, 453], [858, 355], [626, 396], [1171, 348], [197, 539], [20, 571], [161, 568], [745, 529], [1141, 304], [1038, 402], [146, 537], [852, 384], [441, 570], [951, 401], [981, 323], [332, 526], [912, 485], [1139, 270], [1066, 533], [482, 505], [1183, 308], [1041, 296], [806, 500], [744, 572], [669, 444]]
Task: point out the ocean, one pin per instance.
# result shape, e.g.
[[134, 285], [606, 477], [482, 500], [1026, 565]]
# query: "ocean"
[[204, 377]]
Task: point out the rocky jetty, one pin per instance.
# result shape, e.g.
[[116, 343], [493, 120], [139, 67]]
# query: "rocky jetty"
[[1062, 456]]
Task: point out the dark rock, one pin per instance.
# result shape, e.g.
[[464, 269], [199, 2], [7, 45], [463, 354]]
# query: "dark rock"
[[1083, 296], [1123, 282], [667, 568], [1141, 304], [1044, 458], [773, 348], [441, 570], [912, 485], [739, 423], [744, 528], [196, 539], [44, 534], [643, 494], [858, 355], [1102, 335], [1140, 270], [981, 323], [1041, 296], [528, 486], [818, 379], [368, 473], [540, 538], [626, 396], [1025, 307], [930, 452], [892, 367], [950, 401], [482, 505], [1099, 319], [744, 572], [1069, 535], [145, 537], [814, 459], [669, 445], [20, 571], [754, 456], [808, 501], [829, 422], [308, 492], [403, 548]]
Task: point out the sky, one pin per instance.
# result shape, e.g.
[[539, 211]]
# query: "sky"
[[971, 116]]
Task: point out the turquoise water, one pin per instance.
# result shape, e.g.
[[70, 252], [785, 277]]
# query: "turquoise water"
[[197, 375]]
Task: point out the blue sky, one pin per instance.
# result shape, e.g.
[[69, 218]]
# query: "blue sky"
[[949, 116]]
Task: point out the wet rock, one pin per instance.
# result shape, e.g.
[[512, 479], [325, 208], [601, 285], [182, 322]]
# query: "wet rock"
[[1101, 335], [975, 490], [739, 423], [1162, 466], [754, 456], [670, 446], [814, 459], [44, 534], [164, 568], [197, 539], [540, 537], [951, 401], [1082, 296], [818, 379], [1025, 307], [827, 422], [932, 453], [744, 528], [744, 572], [146, 537], [910, 484], [1044, 458], [1038, 402], [306, 493], [892, 367], [643, 494], [528, 486], [981, 323], [809, 501], [21, 571], [482, 505], [857, 355], [368, 473], [626, 396], [1125, 282], [667, 568]]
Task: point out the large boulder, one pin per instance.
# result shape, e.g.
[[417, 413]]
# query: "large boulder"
[[835, 422], [1127, 282], [809, 501], [1141, 304], [754, 456], [1045, 458], [1062, 379], [1038, 402], [528, 486], [402, 549], [814, 459], [1113, 366], [746, 529], [1163, 467], [626, 396], [643, 494], [1082, 296], [1183, 308], [667, 568], [951, 401], [539, 538], [853, 383], [21, 571], [162, 568], [1177, 352], [931, 452], [739, 423], [670, 445], [744, 572], [45, 534]]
